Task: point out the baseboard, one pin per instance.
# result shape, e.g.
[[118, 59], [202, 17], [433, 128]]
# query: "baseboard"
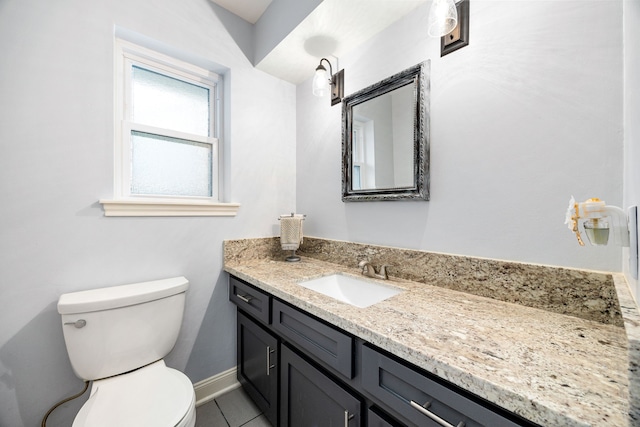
[[212, 387]]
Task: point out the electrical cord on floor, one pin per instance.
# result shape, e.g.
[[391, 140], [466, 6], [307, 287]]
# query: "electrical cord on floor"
[[75, 396]]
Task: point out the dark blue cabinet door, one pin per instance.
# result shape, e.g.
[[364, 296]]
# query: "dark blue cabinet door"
[[376, 419], [311, 399], [257, 353]]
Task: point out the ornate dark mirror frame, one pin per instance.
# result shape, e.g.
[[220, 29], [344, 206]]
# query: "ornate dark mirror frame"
[[417, 75]]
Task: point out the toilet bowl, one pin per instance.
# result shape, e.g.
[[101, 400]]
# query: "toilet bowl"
[[152, 396], [117, 337]]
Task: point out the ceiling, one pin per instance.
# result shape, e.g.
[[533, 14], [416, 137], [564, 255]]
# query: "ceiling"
[[249, 10], [332, 29]]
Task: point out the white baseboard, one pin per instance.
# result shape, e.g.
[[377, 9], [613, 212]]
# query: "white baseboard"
[[212, 387]]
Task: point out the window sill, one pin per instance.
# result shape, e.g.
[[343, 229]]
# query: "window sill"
[[167, 208]]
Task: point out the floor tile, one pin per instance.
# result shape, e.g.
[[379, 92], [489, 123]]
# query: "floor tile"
[[209, 415], [260, 421], [237, 407]]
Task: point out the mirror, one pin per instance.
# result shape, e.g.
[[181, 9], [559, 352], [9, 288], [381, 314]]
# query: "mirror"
[[385, 139]]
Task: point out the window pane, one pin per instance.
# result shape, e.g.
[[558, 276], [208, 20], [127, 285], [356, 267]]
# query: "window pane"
[[169, 166], [169, 103], [356, 178]]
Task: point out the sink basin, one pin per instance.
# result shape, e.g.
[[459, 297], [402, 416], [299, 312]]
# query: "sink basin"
[[352, 290]]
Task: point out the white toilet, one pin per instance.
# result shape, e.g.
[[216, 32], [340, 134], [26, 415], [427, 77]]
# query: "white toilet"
[[117, 337]]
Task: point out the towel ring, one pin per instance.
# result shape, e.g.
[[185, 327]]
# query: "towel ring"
[[291, 216]]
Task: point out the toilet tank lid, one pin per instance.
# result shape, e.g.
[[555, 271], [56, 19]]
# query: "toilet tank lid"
[[120, 296]]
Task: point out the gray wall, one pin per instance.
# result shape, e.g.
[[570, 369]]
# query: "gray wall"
[[280, 18], [56, 134], [519, 124], [632, 114], [521, 119]]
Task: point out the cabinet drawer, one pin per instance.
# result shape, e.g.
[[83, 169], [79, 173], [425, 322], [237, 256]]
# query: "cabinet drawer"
[[250, 299], [321, 342], [420, 400]]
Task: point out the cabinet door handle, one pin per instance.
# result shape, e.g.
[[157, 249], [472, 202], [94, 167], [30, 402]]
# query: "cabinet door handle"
[[245, 298], [269, 365], [347, 417], [433, 416]]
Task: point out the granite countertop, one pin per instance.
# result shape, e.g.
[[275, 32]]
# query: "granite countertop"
[[550, 368]]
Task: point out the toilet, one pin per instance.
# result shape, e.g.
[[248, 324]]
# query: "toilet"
[[117, 337]]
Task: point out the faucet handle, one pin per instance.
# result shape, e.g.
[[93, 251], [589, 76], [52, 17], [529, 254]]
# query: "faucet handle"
[[383, 271], [367, 268]]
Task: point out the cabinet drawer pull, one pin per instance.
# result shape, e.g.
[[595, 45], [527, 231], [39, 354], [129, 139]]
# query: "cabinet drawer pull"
[[433, 416], [245, 298], [269, 365], [347, 417]]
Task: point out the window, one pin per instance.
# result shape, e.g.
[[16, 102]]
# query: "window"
[[357, 136], [167, 151], [363, 171]]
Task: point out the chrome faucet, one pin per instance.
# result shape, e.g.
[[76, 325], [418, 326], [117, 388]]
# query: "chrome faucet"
[[369, 270]]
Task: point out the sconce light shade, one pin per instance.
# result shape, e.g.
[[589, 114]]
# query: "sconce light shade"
[[320, 83], [443, 17], [332, 83]]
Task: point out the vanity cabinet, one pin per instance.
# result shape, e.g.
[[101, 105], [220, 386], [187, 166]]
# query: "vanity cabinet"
[[376, 419], [253, 301], [419, 399], [311, 398], [304, 372], [257, 362], [325, 344]]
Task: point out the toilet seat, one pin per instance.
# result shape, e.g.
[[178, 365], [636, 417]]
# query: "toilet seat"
[[152, 396]]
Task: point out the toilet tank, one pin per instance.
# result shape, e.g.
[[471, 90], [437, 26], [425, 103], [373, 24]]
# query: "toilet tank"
[[109, 331]]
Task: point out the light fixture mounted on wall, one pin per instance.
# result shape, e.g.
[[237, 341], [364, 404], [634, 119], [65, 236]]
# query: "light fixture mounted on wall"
[[332, 83], [449, 20]]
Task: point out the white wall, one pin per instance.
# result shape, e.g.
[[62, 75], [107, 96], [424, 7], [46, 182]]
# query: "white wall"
[[280, 18], [527, 115], [632, 115], [524, 117], [56, 138]]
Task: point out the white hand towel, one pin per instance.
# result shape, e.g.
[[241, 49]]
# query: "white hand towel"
[[291, 232]]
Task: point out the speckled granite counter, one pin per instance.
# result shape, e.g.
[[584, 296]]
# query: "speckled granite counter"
[[550, 368]]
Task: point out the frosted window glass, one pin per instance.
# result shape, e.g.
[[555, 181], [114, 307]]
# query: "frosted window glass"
[[162, 101], [162, 165], [356, 178]]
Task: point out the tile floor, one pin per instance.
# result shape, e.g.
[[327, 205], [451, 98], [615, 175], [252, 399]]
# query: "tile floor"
[[232, 409]]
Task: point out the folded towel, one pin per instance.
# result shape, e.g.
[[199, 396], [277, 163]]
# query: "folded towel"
[[291, 232]]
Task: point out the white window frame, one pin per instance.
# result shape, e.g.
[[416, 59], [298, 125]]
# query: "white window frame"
[[126, 204]]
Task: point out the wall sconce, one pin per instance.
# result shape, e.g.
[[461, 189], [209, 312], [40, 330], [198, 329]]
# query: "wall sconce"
[[449, 20], [323, 81], [443, 17], [600, 220]]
